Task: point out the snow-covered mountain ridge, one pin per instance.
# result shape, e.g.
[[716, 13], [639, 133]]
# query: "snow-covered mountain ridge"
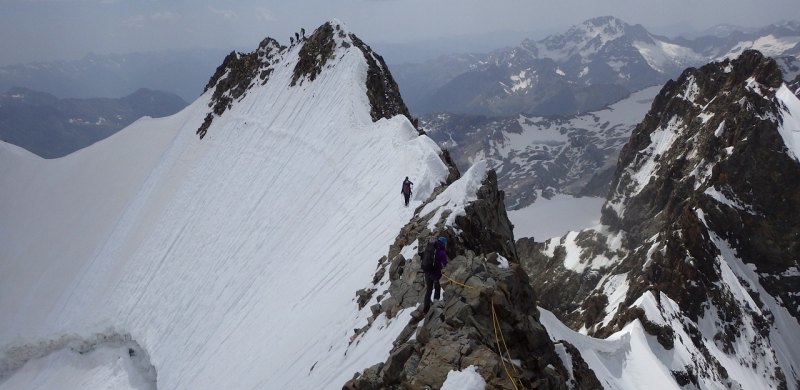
[[232, 260], [697, 252]]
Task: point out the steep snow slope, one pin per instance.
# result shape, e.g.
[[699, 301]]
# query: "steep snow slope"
[[231, 260]]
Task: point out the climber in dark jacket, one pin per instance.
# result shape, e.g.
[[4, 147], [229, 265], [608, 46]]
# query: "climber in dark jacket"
[[406, 191], [432, 277]]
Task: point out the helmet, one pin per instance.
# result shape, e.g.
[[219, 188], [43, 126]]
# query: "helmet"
[[442, 240]]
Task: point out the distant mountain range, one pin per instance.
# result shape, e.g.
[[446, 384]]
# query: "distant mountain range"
[[182, 72], [575, 155], [51, 127], [586, 68], [564, 152]]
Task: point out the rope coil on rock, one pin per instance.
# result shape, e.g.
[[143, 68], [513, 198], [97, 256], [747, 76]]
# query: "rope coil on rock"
[[497, 332]]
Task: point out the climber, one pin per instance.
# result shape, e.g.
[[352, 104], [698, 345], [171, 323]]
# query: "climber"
[[406, 191], [433, 272]]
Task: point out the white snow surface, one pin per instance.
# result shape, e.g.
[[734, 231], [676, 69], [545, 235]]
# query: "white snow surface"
[[790, 126], [547, 218], [104, 368], [466, 379], [232, 260], [628, 359]]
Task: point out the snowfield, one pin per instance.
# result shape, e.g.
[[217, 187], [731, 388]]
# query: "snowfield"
[[233, 261]]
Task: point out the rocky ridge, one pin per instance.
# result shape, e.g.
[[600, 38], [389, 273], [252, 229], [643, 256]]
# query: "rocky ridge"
[[485, 293], [695, 242]]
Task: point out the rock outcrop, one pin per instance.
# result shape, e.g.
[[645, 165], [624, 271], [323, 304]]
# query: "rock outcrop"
[[237, 74]]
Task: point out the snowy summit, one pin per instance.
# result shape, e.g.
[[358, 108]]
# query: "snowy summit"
[[229, 261]]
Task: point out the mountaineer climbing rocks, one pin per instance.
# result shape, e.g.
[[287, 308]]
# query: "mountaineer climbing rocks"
[[406, 191], [433, 260]]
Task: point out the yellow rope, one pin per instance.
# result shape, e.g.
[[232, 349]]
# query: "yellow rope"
[[495, 324], [496, 318], [458, 283], [497, 330]]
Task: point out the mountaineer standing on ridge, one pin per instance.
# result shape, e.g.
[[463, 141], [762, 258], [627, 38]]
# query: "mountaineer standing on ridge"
[[434, 258], [406, 191]]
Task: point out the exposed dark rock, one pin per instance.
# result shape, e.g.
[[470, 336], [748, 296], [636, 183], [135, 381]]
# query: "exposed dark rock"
[[453, 172], [486, 227], [382, 90], [585, 378], [315, 53], [238, 73]]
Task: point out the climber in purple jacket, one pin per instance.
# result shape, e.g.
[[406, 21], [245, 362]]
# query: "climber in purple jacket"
[[432, 277]]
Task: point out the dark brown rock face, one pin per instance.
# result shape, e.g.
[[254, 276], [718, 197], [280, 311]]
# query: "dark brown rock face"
[[486, 227], [314, 54], [704, 191], [483, 301], [237, 74], [382, 90]]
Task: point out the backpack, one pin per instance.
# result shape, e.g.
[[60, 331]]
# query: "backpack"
[[428, 259], [406, 187]]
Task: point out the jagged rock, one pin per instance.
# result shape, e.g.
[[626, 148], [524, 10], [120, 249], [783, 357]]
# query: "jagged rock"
[[314, 54], [382, 90], [584, 377], [486, 227], [364, 295], [397, 266], [704, 184], [453, 173], [379, 275]]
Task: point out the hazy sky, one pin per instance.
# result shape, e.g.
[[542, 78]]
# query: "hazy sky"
[[33, 30]]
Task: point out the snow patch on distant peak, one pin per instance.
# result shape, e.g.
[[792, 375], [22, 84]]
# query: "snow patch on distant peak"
[[662, 56], [521, 81]]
